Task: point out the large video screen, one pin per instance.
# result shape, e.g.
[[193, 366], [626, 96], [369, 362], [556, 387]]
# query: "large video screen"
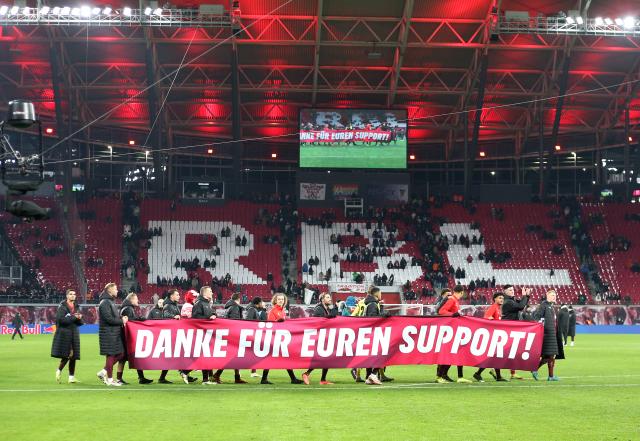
[[353, 138]]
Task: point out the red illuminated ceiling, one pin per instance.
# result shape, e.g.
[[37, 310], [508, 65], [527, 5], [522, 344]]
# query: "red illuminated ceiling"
[[428, 62]]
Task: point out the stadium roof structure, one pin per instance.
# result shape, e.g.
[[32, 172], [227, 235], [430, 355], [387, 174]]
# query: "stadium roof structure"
[[434, 58]]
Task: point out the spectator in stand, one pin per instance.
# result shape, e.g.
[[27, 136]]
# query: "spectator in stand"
[[469, 258], [552, 349], [66, 341]]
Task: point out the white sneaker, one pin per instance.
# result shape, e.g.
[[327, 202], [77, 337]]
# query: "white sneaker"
[[209, 382], [58, 375], [110, 382], [102, 376], [571, 344], [255, 375], [373, 379], [185, 377], [72, 379]]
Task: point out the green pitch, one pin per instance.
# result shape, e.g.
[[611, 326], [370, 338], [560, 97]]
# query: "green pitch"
[[596, 399], [359, 156]]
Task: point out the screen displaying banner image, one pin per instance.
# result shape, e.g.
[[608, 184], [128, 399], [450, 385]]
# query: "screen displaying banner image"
[[353, 138], [202, 190], [345, 191]]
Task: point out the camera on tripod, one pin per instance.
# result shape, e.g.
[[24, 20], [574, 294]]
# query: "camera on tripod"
[[22, 174]]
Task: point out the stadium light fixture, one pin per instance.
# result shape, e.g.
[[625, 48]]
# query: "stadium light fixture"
[[127, 11], [630, 139], [4, 9], [56, 10], [412, 157], [599, 21], [65, 10], [75, 12], [85, 11], [579, 20], [483, 154], [629, 22], [210, 151], [147, 11], [95, 11], [132, 142], [26, 10], [44, 10], [558, 148], [274, 155], [106, 11], [570, 20], [619, 21], [608, 21], [48, 130], [158, 12], [14, 10]]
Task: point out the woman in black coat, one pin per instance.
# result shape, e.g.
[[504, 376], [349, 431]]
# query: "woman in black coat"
[[66, 341], [552, 348]]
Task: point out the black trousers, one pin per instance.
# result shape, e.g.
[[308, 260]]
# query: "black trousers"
[[16, 331]]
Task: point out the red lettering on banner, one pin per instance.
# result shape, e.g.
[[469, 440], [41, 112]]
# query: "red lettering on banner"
[[342, 342]]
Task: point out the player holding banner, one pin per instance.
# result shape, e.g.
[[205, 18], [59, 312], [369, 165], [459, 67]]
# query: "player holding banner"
[[493, 313]]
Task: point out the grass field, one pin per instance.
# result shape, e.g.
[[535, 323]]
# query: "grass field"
[[598, 398], [359, 156]]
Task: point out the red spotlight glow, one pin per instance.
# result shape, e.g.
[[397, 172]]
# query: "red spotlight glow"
[[48, 130]]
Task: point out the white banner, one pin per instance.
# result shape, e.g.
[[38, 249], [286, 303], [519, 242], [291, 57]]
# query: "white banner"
[[312, 192], [348, 287]]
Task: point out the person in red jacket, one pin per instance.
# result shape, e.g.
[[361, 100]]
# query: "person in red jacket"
[[451, 308], [278, 314], [493, 313]]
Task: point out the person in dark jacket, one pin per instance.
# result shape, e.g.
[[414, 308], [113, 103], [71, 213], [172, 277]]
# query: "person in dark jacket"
[[373, 308], [171, 308], [512, 309], [572, 324], [128, 309], [552, 349], [256, 311], [66, 341], [110, 333], [563, 323], [156, 314], [325, 309], [233, 310], [17, 324], [203, 310]]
